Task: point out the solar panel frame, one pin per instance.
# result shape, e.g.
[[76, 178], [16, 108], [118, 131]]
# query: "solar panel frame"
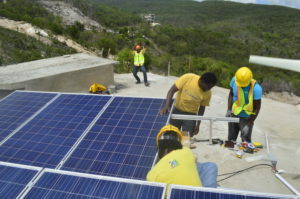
[[17, 112], [77, 185], [36, 132], [222, 193], [20, 177], [122, 138]]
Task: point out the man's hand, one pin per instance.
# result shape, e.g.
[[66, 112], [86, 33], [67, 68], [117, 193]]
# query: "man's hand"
[[164, 110], [228, 113]]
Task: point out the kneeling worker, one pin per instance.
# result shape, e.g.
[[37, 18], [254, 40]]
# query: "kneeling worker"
[[178, 165], [98, 89]]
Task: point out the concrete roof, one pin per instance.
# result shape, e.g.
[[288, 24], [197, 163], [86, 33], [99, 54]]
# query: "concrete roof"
[[49, 67], [279, 120]]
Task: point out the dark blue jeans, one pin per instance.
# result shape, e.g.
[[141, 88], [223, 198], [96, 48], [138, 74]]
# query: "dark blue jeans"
[[208, 172], [235, 128], [135, 71]]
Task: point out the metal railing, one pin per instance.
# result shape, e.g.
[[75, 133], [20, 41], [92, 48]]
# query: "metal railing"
[[210, 119]]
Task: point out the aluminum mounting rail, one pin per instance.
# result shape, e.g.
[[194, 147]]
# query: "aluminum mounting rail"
[[211, 120]]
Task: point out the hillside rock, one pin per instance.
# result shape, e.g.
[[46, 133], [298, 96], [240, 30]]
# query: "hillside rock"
[[70, 14]]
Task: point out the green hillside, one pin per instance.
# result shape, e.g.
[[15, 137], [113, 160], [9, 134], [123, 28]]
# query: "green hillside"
[[225, 32], [193, 36], [17, 48]]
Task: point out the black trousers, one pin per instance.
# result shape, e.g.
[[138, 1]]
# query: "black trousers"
[[235, 128], [184, 125]]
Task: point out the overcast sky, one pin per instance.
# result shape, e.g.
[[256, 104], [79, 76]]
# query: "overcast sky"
[[288, 3]]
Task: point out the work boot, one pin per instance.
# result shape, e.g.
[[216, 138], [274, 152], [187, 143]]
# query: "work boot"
[[193, 146], [147, 83], [192, 141]]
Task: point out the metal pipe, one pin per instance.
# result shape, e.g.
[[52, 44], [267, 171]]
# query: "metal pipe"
[[210, 131], [211, 120], [287, 184], [287, 64], [198, 117]]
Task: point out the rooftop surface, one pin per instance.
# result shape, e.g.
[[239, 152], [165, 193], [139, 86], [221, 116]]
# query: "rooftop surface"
[[280, 121]]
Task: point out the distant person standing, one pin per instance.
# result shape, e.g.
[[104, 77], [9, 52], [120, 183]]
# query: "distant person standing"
[[139, 60], [244, 102], [193, 95]]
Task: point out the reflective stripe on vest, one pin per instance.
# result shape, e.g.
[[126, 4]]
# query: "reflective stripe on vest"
[[239, 105], [138, 59]]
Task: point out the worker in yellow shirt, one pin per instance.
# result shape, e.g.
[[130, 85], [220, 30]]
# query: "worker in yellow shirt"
[[178, 165], [192, 96], [98, 89]]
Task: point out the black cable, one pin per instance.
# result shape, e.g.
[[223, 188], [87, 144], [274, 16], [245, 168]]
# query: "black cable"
[[237, 172]]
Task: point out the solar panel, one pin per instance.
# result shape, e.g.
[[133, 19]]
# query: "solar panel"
[[61, 184], [186, 192], [14, 179], [122, 141], [18, 107], [47, 138]]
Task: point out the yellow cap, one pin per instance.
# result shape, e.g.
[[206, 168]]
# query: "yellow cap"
[[243, 76], [167, 128]]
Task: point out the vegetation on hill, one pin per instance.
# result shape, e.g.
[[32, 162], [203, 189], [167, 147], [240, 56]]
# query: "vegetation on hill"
[[193, 36], [225, 33], [16, 48]]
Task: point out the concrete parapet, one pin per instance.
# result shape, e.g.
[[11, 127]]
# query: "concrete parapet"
[[69, 73]]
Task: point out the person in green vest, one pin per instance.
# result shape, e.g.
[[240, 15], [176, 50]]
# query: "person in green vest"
[[244, 102], [139, 60]]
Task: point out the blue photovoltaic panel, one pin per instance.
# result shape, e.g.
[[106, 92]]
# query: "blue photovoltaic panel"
[[18, 107], [13, 180], [46, 139], [176, 193], [122, 141], [52, 185]]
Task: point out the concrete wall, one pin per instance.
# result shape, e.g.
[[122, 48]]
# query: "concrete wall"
[[75, 81], [69, 73]]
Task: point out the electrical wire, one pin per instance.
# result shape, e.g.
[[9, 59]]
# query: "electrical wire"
[[237, 172]]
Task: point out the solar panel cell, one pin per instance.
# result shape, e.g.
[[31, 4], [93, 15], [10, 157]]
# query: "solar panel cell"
[[184, 192], [19, 107], [53, 131], [56, 185], [13, 180], [120, 138]]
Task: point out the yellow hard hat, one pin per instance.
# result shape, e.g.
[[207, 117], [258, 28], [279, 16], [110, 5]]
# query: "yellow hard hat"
[[168, 128], [243, 76]]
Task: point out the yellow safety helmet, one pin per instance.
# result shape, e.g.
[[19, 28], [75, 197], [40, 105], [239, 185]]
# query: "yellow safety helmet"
[[243, 76], [168, 128]]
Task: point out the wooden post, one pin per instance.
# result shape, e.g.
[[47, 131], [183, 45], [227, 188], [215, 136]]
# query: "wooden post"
[[169, 67]]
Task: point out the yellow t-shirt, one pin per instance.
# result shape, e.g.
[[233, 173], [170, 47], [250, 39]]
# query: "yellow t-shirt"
[[190, 96], [177, 167]]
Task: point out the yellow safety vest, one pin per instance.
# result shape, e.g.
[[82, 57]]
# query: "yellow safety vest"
[[239, 105], [139, 58]]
